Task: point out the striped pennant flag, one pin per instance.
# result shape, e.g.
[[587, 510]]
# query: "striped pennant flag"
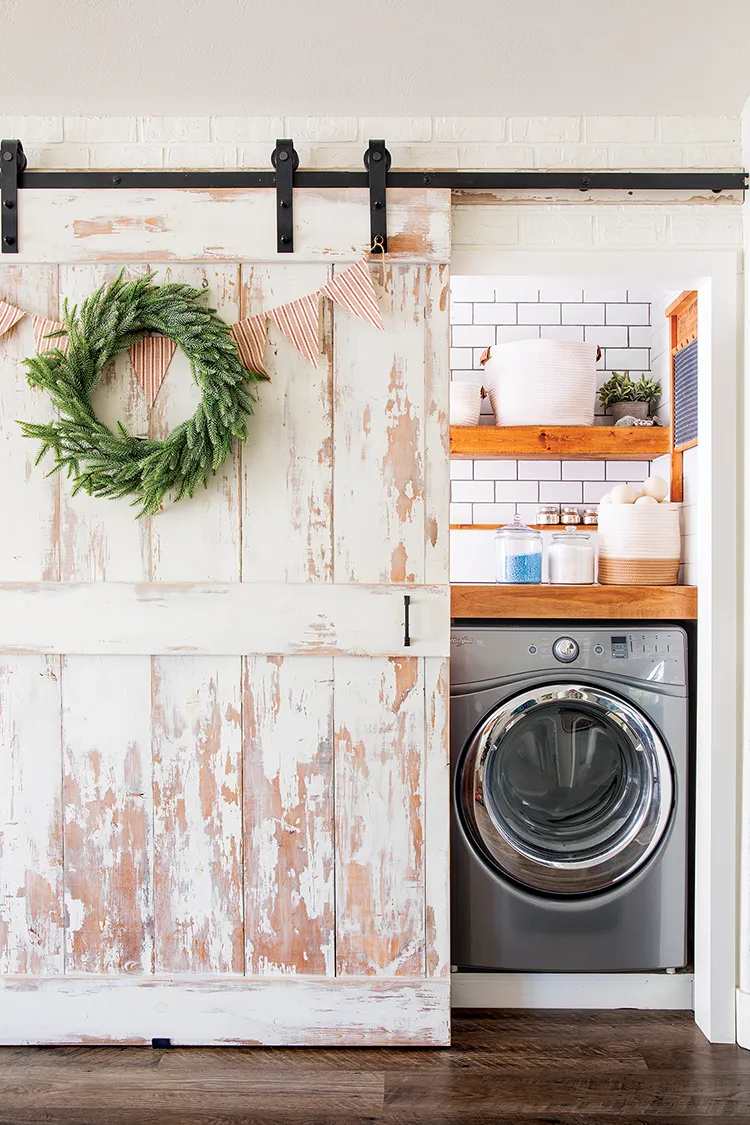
[[250, 336], [151, 357], [354, 290], [9, 315], [42, 327], [299, 322]]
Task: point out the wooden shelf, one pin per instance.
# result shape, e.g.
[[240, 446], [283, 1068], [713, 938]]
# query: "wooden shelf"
[[573, 443], [589, 527], [674, 603]]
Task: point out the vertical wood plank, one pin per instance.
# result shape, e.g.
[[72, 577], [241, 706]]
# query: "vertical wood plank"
[[379, 395], [437, 817], [379, 785], [436, 423], [288, 783], [31, 854], [287, 462], [197, 756], [31, 500], [107, 813], [197, 540], [100, 539]]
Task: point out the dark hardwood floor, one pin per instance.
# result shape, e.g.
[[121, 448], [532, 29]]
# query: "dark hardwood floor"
[[556, 1068]]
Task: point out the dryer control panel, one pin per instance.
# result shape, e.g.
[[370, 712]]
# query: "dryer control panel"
[[491, 652]]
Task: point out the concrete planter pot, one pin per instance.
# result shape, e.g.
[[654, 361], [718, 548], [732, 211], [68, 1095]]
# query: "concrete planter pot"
[[620, 410]]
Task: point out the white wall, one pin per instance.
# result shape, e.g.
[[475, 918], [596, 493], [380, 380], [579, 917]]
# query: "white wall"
[[651, 142]]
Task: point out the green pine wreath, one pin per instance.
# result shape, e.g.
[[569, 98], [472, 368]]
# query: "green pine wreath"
[[102, 462]]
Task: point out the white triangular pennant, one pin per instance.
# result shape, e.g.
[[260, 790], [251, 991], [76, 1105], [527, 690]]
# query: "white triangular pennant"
[[250, 336], [9, 315], [299, 321], [354, 290], [151, 357]]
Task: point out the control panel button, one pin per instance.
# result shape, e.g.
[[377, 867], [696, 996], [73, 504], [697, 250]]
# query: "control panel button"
[[598, 650], [533, 650], [565, 649]]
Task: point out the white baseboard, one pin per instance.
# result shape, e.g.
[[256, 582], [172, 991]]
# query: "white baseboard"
[[743, 1018], [575, 990]]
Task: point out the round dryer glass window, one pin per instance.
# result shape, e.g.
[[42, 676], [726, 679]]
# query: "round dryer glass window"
[[569, 789]]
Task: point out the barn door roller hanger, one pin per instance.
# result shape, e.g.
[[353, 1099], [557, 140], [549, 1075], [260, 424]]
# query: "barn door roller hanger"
[[286, 177]]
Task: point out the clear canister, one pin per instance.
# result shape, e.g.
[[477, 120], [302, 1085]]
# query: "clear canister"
[[548, 514], [570, 515], [518, 553], [591, 516], [571, 558]]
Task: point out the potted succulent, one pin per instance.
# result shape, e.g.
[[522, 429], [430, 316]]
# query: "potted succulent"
[[621, 396]]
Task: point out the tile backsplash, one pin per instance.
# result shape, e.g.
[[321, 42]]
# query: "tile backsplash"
[[492, 310]]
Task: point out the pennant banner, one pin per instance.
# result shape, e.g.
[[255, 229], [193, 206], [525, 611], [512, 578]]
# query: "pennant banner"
[[9, 315], [355, 291], [299, 322], [42, 328], [151, 357], [250, 336]]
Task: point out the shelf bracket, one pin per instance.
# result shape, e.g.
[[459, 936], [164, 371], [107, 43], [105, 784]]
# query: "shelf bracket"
[[12, 161], [286, 161]]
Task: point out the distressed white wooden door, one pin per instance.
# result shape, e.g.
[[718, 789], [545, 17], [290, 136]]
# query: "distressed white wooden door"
[[224, 794]]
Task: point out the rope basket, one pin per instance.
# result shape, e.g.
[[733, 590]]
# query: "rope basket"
[[542, 382], [638, 572]]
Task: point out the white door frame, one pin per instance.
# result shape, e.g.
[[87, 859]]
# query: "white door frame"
[[716, 276]]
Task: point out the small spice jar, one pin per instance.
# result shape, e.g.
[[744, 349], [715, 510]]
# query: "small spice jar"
[[570, 515], [571, 558], [548, 514], [518, 553], [591, 516]]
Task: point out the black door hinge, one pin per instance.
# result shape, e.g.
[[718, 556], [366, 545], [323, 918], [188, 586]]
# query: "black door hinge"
[[286, 161], [12, 161], [377, 162]]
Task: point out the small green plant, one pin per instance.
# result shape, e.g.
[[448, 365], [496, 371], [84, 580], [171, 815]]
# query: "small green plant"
[[646, 390], [621, 388]]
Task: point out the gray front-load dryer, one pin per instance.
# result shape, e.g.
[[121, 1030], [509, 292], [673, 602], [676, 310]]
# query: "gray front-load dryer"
[[569, 756]]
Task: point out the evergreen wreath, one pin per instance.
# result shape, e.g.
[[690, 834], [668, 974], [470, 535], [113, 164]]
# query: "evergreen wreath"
[[104, 463]]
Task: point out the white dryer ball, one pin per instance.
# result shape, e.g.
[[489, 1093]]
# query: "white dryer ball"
[[647, 500], [656, 487], [623, 494], [606, 498]]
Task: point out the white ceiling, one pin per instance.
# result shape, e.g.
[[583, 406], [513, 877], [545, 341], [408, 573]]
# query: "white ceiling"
[[374, 57]]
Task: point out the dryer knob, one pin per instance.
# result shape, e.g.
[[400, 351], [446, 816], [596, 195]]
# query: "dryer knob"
[[565, 649]]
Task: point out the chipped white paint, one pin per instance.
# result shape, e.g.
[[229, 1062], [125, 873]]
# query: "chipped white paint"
[[223, 619], [134, 225], [281, 1011], [31, 846], [437, 816], [288, 793]]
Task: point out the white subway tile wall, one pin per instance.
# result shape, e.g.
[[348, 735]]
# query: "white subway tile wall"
[[487, 311]]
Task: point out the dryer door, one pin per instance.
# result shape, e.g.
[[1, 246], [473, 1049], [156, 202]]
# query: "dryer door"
[[568, 789]]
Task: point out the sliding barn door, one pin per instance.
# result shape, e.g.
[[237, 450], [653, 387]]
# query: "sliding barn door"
[[224, 796]]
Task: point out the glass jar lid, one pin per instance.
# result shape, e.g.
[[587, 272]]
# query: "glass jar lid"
[[572, 534], [517, 527]]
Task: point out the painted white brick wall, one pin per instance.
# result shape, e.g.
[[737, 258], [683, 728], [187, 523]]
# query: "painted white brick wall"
[[440, 142]]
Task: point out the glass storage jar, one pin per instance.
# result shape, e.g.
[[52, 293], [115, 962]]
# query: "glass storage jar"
[[570, 515], [571, 558], [548, 513], [591, 516], [518, 553]]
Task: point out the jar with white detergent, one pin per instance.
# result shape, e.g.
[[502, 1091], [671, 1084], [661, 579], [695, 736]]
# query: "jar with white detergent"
[[571, 559]]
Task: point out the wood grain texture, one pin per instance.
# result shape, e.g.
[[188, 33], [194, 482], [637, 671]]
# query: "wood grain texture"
[[100, 540], [676, 603], [197, 798], [437, 817], [570, 443], [437, 429], [287, 463], [29, 545], [379, 784], [379, 434], [225, 225], [31, 837], [160, 618], [107, 814], [288, 823], [197, 540]]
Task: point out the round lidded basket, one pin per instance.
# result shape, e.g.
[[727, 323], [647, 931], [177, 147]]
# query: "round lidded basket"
[[639, 544], [542, 382]]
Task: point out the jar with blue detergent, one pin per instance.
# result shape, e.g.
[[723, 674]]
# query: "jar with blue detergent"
[[518, 553]]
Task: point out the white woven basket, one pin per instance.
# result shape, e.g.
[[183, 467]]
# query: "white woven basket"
[[639, 544], [542, 383], [466, 403]]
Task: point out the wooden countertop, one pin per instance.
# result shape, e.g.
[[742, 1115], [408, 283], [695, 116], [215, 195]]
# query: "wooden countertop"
[[647, 603]]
